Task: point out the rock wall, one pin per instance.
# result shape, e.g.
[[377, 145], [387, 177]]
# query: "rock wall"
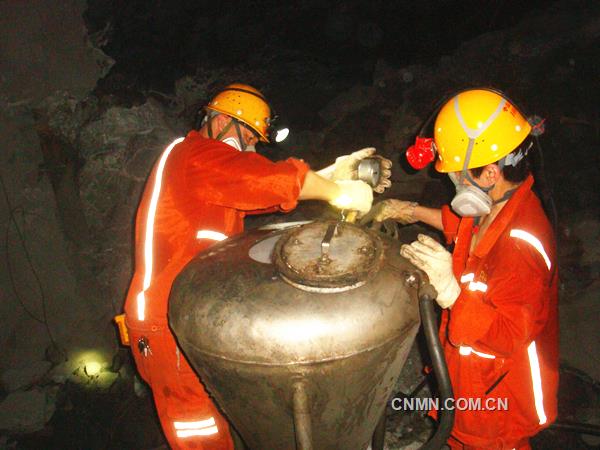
[[44, 48], [50, 305]]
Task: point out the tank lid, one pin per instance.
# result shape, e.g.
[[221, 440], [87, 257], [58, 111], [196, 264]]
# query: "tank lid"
[[328, 256]]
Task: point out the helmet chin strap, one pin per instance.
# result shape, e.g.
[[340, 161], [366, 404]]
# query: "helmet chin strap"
[[225, 129], [209, 123], [239, 133], [465, 171], [468, 176], [508, 194]]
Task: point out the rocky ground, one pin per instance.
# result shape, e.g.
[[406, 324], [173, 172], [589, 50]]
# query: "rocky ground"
[[81, 138]]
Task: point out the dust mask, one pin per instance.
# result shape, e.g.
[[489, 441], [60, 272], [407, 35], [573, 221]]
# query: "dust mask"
[[233, 142], [469, 201]]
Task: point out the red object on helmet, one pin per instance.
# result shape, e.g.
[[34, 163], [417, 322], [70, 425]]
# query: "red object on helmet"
[[421, 153]]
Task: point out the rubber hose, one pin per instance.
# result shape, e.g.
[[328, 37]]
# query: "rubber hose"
[[430, 328], [378, 441]]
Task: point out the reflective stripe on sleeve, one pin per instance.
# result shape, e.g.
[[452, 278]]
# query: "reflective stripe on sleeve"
[[536, 379], [535, 242], [149, 235], [209, 234]]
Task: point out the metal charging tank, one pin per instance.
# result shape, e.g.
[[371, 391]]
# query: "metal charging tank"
[[299, 333]]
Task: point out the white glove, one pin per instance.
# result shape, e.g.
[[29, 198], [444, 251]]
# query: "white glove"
[[354, 195], [346, 168], [432, 258]]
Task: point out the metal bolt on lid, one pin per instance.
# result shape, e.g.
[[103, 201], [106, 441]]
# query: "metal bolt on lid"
[[328, 256]]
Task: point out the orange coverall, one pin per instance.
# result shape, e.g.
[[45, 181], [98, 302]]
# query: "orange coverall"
[[198, 192], [500, 338]]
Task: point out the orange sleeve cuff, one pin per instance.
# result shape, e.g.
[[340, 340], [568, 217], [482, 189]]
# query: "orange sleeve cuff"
[[450, 222], [303, 169]]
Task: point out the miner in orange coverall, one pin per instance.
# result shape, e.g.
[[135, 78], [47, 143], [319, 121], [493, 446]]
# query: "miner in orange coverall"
[[498, 289], [198, 193]]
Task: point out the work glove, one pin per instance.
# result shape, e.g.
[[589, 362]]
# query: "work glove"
[[433, 259], [399, 210], [346, 168], [354, 195]]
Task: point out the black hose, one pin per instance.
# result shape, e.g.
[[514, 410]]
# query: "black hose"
[[427, 296], [378, 441]]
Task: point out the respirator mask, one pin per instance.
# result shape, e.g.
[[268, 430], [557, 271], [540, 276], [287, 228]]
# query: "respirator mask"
[[233, 142], [470, 200]]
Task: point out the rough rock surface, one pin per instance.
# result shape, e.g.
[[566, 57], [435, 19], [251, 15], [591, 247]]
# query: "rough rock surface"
[[26, 411], [44, 48]]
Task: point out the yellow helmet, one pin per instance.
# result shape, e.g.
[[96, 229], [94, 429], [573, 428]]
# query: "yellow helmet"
[[245, 104], [476, 128]]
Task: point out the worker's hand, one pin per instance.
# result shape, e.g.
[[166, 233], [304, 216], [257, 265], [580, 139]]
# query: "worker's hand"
[[399, 210], [354, 195], [387, 227], [346, 168], [433, 259]]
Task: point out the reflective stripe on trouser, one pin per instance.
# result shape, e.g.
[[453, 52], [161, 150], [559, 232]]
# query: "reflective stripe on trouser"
[[185, 429], [188, 416], [204, 430]]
